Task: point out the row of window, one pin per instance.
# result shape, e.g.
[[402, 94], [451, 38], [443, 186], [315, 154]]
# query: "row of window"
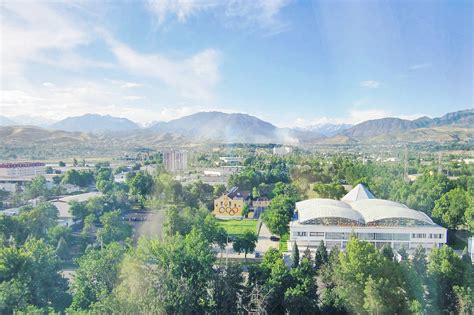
[[423, 235], [370, 236]]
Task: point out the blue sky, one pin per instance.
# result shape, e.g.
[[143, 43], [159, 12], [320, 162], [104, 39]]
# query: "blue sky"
[[293, 63]]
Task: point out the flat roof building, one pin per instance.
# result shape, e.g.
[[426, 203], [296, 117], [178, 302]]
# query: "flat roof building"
[[359, 212], [21, 169]]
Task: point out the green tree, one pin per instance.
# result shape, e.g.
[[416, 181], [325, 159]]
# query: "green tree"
[[278, 215], [61, 164], [321, 256], [419, 261], [451, 207], [295, 258], [301, 296], [331, 191], [171, 276], [113, 228], [29, 275], [445, 271], [141, 185], [226, 289], [96, 276], [365, 278], [245, 243], [78, 209], [37, 188]]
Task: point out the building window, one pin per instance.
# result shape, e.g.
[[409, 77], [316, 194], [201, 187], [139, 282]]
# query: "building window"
[[300, 233], [366, 236], [401, 236], [337, 236], [320, 234], [383, 236], [418, 235]]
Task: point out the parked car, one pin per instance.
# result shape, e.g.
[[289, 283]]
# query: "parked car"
[[274, 238]]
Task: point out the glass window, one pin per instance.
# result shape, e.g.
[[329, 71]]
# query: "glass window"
[[337, 236], [366, 236], [401, 236], [383, 236], [321, 234]]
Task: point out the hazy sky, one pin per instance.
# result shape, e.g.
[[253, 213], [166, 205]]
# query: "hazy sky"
[[287, 62]]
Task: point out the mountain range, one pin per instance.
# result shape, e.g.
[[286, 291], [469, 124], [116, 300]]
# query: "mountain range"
[[218, 127]]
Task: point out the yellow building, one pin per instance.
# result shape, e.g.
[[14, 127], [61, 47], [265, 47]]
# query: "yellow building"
[[229, 204]]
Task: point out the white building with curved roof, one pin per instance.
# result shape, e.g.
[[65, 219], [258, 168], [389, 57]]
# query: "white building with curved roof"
[[359, 212]]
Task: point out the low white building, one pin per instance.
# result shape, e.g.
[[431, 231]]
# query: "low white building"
[[21, 169], [374, 220]]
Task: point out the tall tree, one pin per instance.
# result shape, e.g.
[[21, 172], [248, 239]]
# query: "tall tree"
[[450, 208], [445, 271], [245, 243], [113, 228], [96, 276], [295, 258], [321, 256], [30, 275], [279, 213]]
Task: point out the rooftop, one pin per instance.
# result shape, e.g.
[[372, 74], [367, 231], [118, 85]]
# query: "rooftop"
[[359, 207]]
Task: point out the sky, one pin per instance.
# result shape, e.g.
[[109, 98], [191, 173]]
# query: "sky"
[[292, 63]]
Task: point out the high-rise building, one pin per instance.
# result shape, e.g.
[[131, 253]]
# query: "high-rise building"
[[175, 160]]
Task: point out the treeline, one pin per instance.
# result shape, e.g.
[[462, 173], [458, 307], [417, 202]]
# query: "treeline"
[[181, 274]]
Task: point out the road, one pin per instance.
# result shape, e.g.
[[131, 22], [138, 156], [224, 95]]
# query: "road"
[[264, 243]]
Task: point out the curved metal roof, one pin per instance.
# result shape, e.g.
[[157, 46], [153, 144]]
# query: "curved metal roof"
[[363, 211], [373, 203], [326, 208]]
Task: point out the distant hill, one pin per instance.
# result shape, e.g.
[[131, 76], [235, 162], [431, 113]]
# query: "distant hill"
[[385, 126], [230, 128], [28, 135], [5, 121], [94, 123]]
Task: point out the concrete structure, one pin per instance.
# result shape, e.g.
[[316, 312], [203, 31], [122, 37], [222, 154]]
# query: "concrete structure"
[[175, 160], [282, 150], [21, 169], [374, 220]]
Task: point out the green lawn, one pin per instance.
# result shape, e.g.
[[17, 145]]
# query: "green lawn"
[[283, 246], [238, 227]]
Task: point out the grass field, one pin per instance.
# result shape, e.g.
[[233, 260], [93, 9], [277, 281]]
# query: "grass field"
[[283, 246], [238, 227]]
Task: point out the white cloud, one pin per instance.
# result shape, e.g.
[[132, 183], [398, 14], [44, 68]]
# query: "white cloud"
[[133, 97], [48, 84], [124, 84], [420, 66], [192, 78], [29, 30], [261, 14], [371, 84]]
